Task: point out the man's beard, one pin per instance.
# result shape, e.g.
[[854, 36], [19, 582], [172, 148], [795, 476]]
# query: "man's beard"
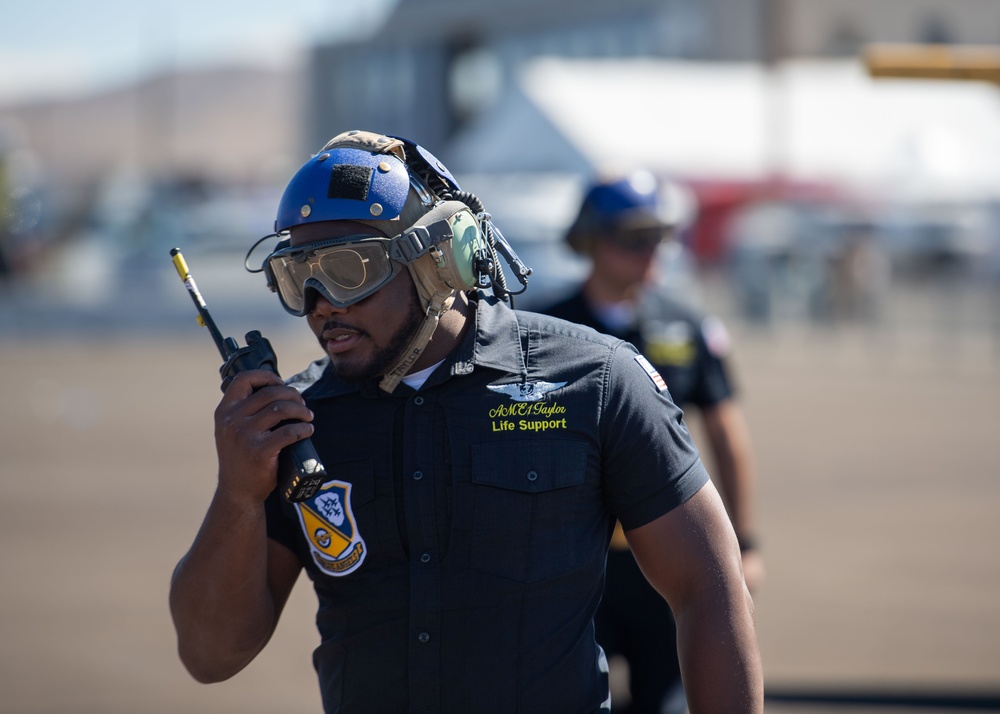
[[386, 357]]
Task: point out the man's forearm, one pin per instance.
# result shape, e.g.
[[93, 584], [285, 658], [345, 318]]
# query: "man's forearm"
[[719, 656], [691, 557], [730, 441], [221, 605]]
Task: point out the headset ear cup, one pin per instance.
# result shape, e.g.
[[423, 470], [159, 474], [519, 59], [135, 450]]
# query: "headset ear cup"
[[459, 256], [452, 266], [467, 246]]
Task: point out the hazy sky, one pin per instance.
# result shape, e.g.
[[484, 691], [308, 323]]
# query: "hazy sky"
[[69, 46]]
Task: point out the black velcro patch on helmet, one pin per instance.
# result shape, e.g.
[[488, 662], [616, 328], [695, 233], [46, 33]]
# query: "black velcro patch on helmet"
[[349, 181]]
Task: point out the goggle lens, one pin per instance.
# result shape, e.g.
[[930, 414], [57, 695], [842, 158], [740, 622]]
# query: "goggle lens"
[[343, 274], [344, 268]]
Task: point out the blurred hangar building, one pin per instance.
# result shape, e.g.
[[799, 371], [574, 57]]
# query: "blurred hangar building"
[[434, 66], [753, 104]]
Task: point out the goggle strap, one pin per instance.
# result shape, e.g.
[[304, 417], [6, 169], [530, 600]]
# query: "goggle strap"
[[439, 303], [414, 242]]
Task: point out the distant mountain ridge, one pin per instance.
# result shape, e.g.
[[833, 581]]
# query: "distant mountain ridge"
[[233, 124]]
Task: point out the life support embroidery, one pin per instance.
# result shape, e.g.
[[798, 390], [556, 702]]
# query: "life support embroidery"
[[528, 409], [330, 528]]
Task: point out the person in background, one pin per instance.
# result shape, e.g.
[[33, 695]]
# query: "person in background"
[[621, 225], [478, 459]]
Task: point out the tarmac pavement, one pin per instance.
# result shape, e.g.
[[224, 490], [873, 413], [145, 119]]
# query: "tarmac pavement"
[[879, 463]]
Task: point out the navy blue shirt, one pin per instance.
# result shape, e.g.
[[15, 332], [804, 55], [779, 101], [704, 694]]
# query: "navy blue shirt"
[[687, 348], [458, 553]]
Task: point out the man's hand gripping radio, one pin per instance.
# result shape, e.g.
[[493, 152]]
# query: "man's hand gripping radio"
[[300, 470]]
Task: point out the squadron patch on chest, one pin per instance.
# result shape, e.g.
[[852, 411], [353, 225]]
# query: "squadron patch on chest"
[[330, 528]]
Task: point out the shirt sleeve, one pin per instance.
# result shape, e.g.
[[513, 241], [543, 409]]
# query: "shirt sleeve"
[[279, 526], [649, 461], [714, 384]]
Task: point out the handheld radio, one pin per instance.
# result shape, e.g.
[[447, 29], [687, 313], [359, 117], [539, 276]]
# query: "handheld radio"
[[300, 471]]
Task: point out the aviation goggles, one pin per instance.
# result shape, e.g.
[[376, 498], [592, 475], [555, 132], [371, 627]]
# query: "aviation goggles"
[[347, 269], [343, 270]]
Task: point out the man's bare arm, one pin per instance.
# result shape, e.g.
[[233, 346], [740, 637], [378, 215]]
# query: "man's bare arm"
[[228, 591], [729, 439], [691, 556]]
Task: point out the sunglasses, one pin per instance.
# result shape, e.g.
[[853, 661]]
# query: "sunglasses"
[[637, 240]]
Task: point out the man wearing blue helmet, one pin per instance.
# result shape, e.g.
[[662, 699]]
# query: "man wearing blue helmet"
[[621, 224], [478, 456]]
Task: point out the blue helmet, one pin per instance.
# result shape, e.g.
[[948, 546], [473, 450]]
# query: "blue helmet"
[[344, 184], [636, 202], [365, 177]]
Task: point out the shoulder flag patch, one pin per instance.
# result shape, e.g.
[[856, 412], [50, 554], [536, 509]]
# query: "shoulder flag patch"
[[651, 371], [716, 336]]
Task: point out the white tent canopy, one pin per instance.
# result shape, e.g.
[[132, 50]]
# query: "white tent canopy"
[[814, 121]]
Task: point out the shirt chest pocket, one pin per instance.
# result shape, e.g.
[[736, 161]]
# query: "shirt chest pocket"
[[359, 509], [531, 506]]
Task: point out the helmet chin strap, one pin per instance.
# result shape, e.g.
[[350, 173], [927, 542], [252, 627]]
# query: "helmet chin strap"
[[418, 344], [436, 302]]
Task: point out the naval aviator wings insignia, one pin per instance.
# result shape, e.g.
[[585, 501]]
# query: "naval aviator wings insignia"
[[526, 391]]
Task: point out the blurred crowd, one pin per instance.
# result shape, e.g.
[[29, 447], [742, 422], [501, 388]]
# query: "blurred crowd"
[[829, 263], [782, 254]]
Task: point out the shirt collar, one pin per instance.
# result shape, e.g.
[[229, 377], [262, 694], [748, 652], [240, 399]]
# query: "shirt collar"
[[493, 343]]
